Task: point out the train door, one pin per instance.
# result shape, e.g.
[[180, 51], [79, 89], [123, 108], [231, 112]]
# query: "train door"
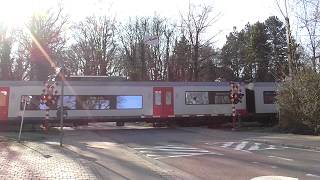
[[250, 100], [163, 101], [4, 103]]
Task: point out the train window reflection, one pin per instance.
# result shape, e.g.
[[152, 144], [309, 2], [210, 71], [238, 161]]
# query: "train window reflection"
[[129, 102], [88, 102], [207, 97], [68, 101], [3, 98], [221, 98], [197, 98], [34, 103], [168, 98], [95, 102], [269, 97], [157, 98]]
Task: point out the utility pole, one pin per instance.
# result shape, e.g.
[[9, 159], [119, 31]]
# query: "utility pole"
[[61, 102]]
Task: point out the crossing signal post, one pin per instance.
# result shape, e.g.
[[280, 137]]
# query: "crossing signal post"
[[48, 99], [235, 98]]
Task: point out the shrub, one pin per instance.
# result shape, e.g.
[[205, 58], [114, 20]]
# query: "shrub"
[[299, 102]]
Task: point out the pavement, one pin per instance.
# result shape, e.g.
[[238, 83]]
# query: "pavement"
[[33, 160]]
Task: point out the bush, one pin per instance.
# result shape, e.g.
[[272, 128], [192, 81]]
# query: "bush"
[[299, 103]]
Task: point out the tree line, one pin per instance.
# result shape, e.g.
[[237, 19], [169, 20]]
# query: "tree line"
[[150, 48]]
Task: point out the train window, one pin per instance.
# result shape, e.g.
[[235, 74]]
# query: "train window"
[[197, 98], [269, 97], [129, 102], [3, 98], [207, 97], [157, 98], [34, 103], [168, 97], [221, 97], [95, 102], [69, 101]]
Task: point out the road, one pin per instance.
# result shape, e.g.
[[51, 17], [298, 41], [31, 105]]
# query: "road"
[[136, 152]]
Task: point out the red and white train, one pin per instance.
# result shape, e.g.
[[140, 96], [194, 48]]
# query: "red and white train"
[[122, 101]]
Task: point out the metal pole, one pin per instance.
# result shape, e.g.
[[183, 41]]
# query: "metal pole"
[[61, 102], [22, 118], [233, 116]]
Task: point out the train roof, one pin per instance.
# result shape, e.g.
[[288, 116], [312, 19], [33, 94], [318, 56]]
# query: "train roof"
[[265, 84], [115, 83], [127, 83]]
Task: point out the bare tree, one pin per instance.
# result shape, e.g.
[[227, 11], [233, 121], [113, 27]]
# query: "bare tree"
[[168, 34], [290, 43], [46, 35], [163, 31], [5, 53], [132, 47], [309, 17], [145, 60], [21, 65], [196, 22], [95, 45]]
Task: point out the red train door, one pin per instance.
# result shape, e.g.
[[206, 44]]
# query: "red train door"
[[4, 103], [163, 101]]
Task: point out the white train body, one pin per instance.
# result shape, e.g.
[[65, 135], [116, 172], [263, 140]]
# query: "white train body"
[[131, 101]]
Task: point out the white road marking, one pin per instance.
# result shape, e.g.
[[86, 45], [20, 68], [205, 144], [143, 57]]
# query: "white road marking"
[[273, 167], [254, 147], [179, 150], [241, 145], [51, 143], [286, 159], [274, 177], [301, 149], [245, 146], [271, 147], [187, 152], [245, 151], [172, 151], [227, 144], [187, 155], [152, 155], [313, 175], [174, 147], [166, 147]]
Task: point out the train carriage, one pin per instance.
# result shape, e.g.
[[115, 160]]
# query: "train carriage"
[[124, 100]]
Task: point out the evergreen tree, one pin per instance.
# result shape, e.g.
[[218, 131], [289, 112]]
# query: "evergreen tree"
[[278, 56], [180, 61], [232, 55], [259, 50]]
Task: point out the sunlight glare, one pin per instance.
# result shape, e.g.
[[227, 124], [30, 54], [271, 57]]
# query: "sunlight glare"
[[15, 13]]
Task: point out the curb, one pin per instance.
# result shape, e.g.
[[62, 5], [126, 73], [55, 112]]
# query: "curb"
[[4, 139]]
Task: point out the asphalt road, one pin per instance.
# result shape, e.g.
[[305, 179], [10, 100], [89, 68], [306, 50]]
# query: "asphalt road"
[[135, 152]]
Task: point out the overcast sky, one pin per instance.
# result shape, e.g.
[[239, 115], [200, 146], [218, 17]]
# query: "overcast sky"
[[233, 12]]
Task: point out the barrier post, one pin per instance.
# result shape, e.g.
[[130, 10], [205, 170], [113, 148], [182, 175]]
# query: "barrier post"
[[61, 103], [25, 100]]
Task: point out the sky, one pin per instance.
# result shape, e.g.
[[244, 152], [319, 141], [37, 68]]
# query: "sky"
[[233, 12]]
